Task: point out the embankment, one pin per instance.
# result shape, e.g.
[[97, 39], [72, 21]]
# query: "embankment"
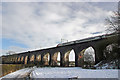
[[8, 68]]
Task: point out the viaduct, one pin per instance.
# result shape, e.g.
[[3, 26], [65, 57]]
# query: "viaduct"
[[98, 43]]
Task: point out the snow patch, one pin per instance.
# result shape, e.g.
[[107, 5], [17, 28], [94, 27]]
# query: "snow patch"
[[107, 65]]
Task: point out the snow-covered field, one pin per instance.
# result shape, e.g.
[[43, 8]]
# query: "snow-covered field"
[[73, 72], [65, 72]]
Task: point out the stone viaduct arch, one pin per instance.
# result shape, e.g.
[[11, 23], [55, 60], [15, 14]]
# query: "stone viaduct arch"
[[41, 56]]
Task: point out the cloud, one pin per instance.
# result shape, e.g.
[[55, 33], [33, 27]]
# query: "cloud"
[[44, 24], [15, 49], [60, 0]]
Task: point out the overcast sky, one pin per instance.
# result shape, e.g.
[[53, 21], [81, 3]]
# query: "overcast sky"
[[28, 26]]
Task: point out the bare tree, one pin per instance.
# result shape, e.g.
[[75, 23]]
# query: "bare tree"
[[113, 23], [113, 26]]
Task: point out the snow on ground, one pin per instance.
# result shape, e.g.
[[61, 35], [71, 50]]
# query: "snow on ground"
[[70, 72], [17, 74], [107, 65], [64, 72]]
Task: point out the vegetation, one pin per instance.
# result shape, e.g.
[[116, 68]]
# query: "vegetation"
[[113, 23], [112, 51], [8, 68]]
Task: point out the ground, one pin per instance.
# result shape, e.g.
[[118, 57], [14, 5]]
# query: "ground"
[[64, 72]]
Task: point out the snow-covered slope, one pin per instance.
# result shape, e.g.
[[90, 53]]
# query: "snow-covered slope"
[[73, 72], [107, 65]]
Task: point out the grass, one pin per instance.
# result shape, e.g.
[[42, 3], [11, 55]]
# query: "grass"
[[9, 68]]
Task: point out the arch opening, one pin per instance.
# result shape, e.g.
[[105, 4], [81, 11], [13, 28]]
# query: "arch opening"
[[58, 59], [38, 57], [72, 58], [69, 58], [89, 56], [111, 51], [26, 58], [32, 58], [11, 59], [46, 59], [22, 58], [18, 58]]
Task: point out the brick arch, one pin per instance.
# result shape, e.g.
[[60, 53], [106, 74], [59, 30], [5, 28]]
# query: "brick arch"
[[88, 56], [14, 59], [100, 46], [99, 52], [38, 57], [72, 58], [66, 58], [46, 59], [11, 59], [22, 58], [111, 51], [18, 58], [80, 54], [58, 59], [54, 59], [32, 58], [26, 60]]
